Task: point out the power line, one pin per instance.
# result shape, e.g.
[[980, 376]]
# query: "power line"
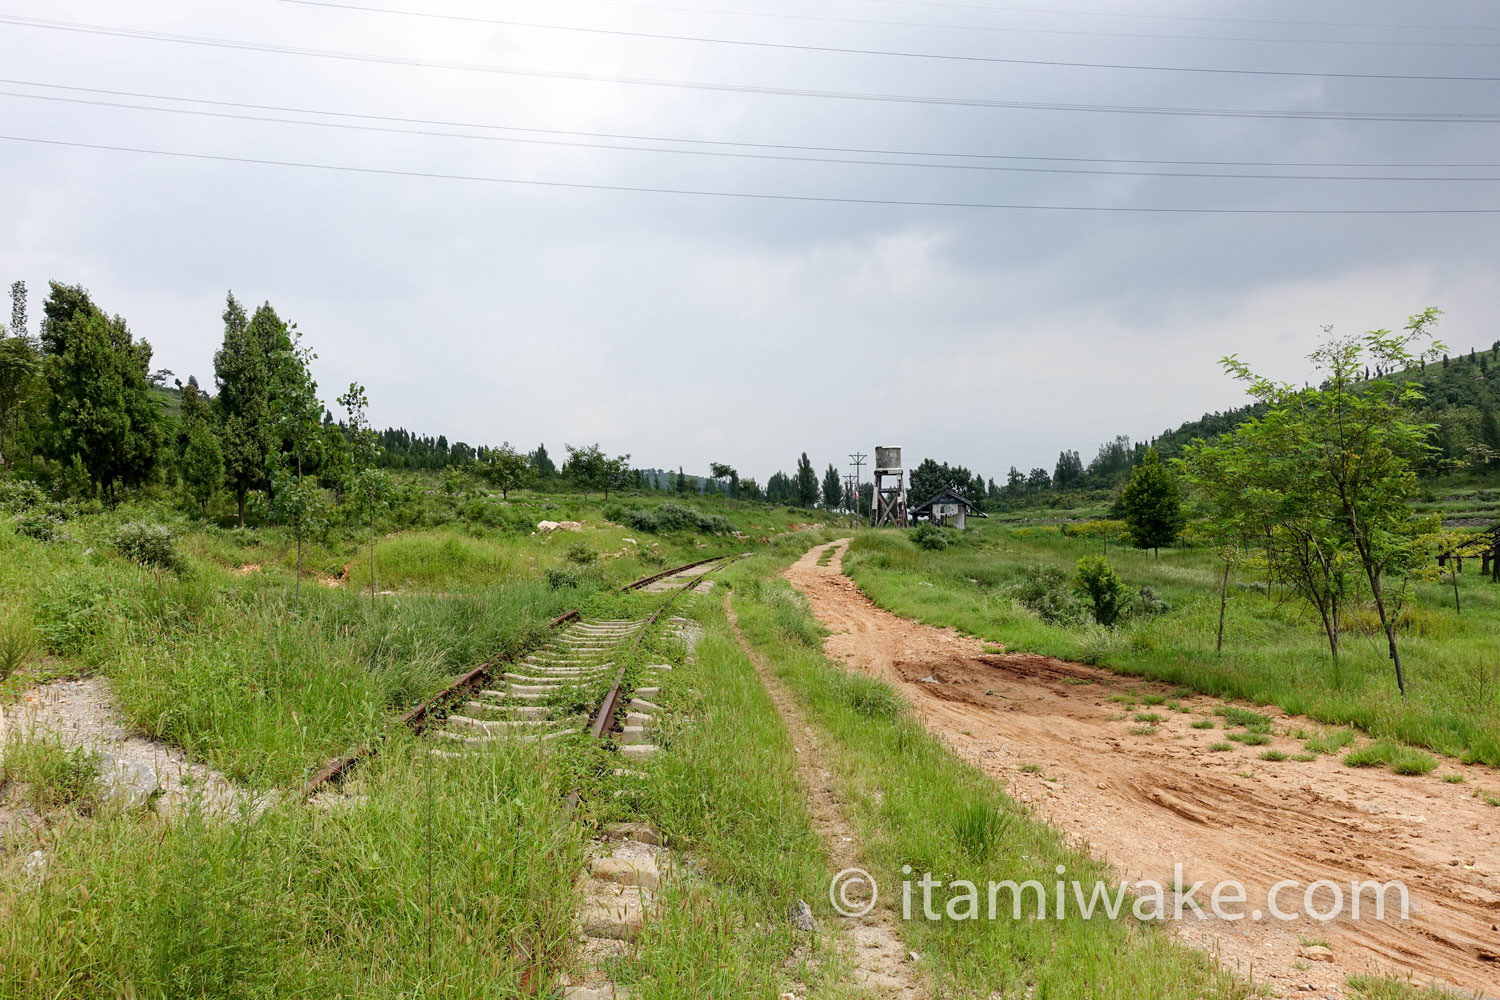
[[720, 153], [743, 144], [1022, 29], [1188, 17], [888, 53], [747, 195], [1365, 116]]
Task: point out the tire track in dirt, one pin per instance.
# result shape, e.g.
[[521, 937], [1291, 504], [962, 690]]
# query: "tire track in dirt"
[[879, 955], [1147, 803]]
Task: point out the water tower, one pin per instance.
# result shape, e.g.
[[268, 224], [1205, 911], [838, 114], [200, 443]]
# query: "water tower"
[[890, 488]]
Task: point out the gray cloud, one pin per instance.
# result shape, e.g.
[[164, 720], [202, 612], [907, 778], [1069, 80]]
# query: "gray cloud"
[[990, 338]]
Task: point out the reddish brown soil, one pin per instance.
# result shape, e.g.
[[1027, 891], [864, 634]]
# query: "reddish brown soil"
[[1149, 802]]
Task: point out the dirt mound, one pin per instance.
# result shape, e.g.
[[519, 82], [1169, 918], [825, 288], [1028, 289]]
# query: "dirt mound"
[[1149, 801]]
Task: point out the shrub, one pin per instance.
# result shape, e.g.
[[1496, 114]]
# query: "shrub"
[[147, 544], [580, 554], [1044, 592], [32, 513], [1097, 583], [674, 517], [932, 537], [557, 579]]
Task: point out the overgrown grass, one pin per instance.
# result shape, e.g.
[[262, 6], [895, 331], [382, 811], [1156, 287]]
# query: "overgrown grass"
[[917, 807], [312, 902], [724, 793], [1274, 652], [53, 775]]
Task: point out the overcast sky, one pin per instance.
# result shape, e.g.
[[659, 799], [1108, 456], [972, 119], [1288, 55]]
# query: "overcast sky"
[[686, 329]]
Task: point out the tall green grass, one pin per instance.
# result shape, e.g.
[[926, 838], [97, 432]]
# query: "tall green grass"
[[438, 879], [1274, 652]]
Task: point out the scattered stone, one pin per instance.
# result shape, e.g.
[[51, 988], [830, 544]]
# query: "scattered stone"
[[126, 784], [638, 832], [639, 871], [609, 991], [912, 956], [35, 868], [801, 917], [1316, 953], [637, 751], [614, 923], [929, 679]]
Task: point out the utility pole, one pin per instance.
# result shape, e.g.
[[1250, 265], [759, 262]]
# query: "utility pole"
[[857, 459]]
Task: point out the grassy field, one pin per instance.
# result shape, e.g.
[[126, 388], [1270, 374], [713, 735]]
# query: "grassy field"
[[1274, 651], [212, 655]]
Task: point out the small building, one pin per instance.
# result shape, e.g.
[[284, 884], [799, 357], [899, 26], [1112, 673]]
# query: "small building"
[[948, 509]]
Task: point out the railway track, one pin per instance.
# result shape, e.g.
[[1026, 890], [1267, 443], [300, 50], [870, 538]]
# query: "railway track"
[[574, 683]]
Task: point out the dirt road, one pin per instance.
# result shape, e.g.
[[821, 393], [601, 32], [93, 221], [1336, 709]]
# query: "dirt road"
[[1050, 732]]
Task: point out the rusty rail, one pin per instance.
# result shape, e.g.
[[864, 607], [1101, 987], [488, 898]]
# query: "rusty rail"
[[417, 718]]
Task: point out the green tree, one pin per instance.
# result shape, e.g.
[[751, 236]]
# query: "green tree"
[[1069, 471], [295, 496], [20, 385], [369, 486], [541, 463], [833, 489], [1152, 503], [202, 461], [682, 482], [202, 466], [504, 468], [724, 476], [1097, 582], [100, 414], [590, 469], [807, 483], [242, 371], [1329, 472]]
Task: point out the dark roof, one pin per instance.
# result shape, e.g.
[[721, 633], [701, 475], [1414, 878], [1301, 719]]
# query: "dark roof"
[[948, 496]]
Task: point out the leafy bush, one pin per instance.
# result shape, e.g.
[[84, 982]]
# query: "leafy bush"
[[1150, 604], [557, 579], [932, 537], [32, 513], [673, 517], [1044, 592], [147, 544], [580, 554], [1097, 583]]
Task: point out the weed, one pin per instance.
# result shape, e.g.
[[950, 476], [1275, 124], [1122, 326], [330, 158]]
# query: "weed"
[[1273, 755], [1389, 753], [1203, 724], [1330, 741], [1303, 758], [55, 776], [1031, 769], [150, 545], [1220, 747], [1249, 739], [1152, 700], [1454, 779], [17, 644], [1142, 730], [1237, 716], [1151, 717]]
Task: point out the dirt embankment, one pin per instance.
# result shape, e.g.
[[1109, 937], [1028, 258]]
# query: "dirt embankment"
[[1149, 802]]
